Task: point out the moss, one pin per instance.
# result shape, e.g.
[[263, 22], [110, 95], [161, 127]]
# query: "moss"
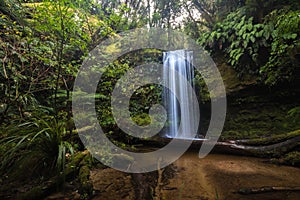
[[272, 139], [258, 116], [292, 158], [73, 167], [142, 119], [230, 77], [232, 135], [86, 187]]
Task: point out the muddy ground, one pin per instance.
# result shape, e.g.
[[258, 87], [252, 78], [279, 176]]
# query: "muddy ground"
[[214, 177]]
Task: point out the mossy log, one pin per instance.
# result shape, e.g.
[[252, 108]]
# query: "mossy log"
[[270, 140], [273, 146], [272, 150]]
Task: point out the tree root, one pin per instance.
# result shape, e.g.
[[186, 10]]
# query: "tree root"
[[265, 189]]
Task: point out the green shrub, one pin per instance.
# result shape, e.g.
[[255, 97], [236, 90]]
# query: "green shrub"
[[35, 146]]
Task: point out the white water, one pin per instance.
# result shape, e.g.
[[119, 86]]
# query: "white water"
[[181, 62]]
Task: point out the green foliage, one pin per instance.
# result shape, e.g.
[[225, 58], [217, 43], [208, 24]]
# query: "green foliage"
[[140, 101], [37, 145], [269, 50], [284, 56], [27, 65], [294, 114], [20, 77], [240, 39], [41, 49], [66, 32], [201, 88]]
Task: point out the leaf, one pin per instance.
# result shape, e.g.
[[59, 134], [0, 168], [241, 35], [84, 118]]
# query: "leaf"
[[245, 43], [238, 56], [267, 35], [232, 62], [240, 33], [259, 33], [293, 36], [249, 27]]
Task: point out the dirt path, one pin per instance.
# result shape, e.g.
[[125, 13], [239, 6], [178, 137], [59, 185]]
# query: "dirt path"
[[112, 184], [220, 176], [214, 177]]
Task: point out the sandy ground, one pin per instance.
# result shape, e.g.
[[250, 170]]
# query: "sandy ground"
[[220, 176], [214, 177]]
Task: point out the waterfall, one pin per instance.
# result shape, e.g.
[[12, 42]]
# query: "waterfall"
[[179, 62]]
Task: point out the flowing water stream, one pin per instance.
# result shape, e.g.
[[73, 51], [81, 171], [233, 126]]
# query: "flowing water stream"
[[178, 74]]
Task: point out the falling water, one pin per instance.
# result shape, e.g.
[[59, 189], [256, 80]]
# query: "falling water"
[[179, 62]]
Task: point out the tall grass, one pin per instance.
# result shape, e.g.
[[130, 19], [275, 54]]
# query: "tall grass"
[[35, 147]]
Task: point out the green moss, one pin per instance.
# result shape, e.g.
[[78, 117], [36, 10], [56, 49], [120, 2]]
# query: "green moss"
[[292, 158], [273, 138], [73, 166], [232, 135], [230, 77], [142, 119], [86, 186], [262, 115]]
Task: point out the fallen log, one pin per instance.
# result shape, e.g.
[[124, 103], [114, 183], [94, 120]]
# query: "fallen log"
[[274, 146], [260, 151]]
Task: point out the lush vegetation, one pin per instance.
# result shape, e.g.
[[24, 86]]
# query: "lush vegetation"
[[261, 39], [43, 44]]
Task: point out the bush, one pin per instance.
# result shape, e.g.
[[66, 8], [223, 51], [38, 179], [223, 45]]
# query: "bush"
[[36, 146]]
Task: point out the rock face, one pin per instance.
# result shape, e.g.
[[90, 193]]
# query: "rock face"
[[230, 77]]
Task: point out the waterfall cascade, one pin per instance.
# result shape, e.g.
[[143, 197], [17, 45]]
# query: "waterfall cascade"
[[177, 97]]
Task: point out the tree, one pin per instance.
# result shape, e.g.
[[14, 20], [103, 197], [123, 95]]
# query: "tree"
[[42, 45]]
